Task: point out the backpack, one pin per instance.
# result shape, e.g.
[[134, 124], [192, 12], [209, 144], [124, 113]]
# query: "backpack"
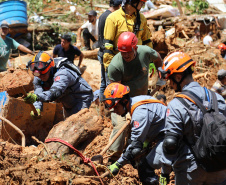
[[61, 61], [210, 148]]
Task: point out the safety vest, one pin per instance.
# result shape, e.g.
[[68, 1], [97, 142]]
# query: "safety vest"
[[135, 105], [186, 97]]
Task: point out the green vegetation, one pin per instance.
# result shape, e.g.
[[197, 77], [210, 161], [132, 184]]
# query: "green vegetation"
[[196, 7]]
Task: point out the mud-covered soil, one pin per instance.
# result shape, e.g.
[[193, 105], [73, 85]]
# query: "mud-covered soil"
[[35, 165]]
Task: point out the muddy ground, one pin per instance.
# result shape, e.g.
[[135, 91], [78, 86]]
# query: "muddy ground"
[[34, 164]]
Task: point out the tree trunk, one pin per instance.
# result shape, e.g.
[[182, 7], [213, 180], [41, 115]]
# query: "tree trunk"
[[78, 129]]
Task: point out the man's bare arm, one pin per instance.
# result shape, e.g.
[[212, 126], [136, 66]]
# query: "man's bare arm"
[[24, 49], [158, 62], [81, 56]]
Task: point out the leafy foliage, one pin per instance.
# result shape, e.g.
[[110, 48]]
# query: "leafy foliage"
[[195, 6], [198, 6]]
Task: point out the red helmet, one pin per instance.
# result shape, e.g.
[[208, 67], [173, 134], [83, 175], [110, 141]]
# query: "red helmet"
[[176, 62], [113, 93], [127, 42], [222, 46]]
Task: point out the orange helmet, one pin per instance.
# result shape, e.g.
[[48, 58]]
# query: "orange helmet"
[[41, 63], [222, 46], [114, 93], [176, 62]]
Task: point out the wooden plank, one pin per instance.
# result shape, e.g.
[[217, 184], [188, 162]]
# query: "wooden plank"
[[179, 7]]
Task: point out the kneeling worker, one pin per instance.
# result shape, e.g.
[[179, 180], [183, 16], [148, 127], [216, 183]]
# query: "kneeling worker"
[[58, 80], [148, 121]]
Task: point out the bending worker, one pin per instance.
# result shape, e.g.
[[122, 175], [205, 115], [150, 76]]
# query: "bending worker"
[[148, 121], [58, 80]]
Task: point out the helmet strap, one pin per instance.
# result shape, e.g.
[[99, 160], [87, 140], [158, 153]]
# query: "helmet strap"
[[124, 101], [179, 89], [134, 52]]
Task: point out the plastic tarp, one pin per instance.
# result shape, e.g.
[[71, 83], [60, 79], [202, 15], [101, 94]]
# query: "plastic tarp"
[[164, 12], [3, 98], [220, 4]]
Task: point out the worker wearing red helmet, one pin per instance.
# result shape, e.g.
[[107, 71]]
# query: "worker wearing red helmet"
[[222, 48], [126, 19], [130, 67]]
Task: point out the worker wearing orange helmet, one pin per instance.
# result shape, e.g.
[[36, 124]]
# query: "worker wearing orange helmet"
[[181, 132], [58, 80], [130, 67], [147, 126], [126, 19], [222, 48]]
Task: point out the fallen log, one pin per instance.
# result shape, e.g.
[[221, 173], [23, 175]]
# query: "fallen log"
[[90, 54], [77, 129], [49, 27]]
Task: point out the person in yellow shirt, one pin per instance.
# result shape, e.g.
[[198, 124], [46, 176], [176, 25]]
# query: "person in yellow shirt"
[[127, 18]]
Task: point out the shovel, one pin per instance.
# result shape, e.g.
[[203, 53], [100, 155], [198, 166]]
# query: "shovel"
[[31, 105], [100, 156]]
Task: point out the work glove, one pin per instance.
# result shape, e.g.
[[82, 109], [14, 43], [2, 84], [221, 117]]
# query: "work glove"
[[163, 180], [33, 116], [145, 144], [114, 168], [31, 98], [160, 82], [152, 69]]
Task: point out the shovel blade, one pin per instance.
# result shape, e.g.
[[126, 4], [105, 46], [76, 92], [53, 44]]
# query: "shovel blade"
[[98, 158]]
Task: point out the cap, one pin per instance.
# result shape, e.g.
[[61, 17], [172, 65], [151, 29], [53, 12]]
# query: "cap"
[[4, 25], [221, 73], [92, 12], [115, 2]]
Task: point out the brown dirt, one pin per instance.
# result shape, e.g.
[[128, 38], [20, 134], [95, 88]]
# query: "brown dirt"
[[33, 165], [14, 80]]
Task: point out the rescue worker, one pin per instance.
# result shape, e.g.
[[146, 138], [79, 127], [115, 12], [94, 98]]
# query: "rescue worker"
[[147, 122], [114, 5], [220, 85], [222, 48], [127, 18], [130, 67], [58, 80], [179, 128]]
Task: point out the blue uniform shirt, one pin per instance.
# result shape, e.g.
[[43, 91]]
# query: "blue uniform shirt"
[[148, 122], [74, 88]]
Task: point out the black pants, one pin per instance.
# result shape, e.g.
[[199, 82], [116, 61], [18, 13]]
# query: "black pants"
[[147, 173], [87, 36]]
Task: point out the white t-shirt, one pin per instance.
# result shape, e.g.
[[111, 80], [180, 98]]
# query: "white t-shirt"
[[206, 40], [93, 29]]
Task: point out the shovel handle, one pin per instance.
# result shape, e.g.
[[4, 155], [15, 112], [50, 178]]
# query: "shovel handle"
[[31, 105], [105, 174], [115, 137]]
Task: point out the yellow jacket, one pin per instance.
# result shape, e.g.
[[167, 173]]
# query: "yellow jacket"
[[117, 23]]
